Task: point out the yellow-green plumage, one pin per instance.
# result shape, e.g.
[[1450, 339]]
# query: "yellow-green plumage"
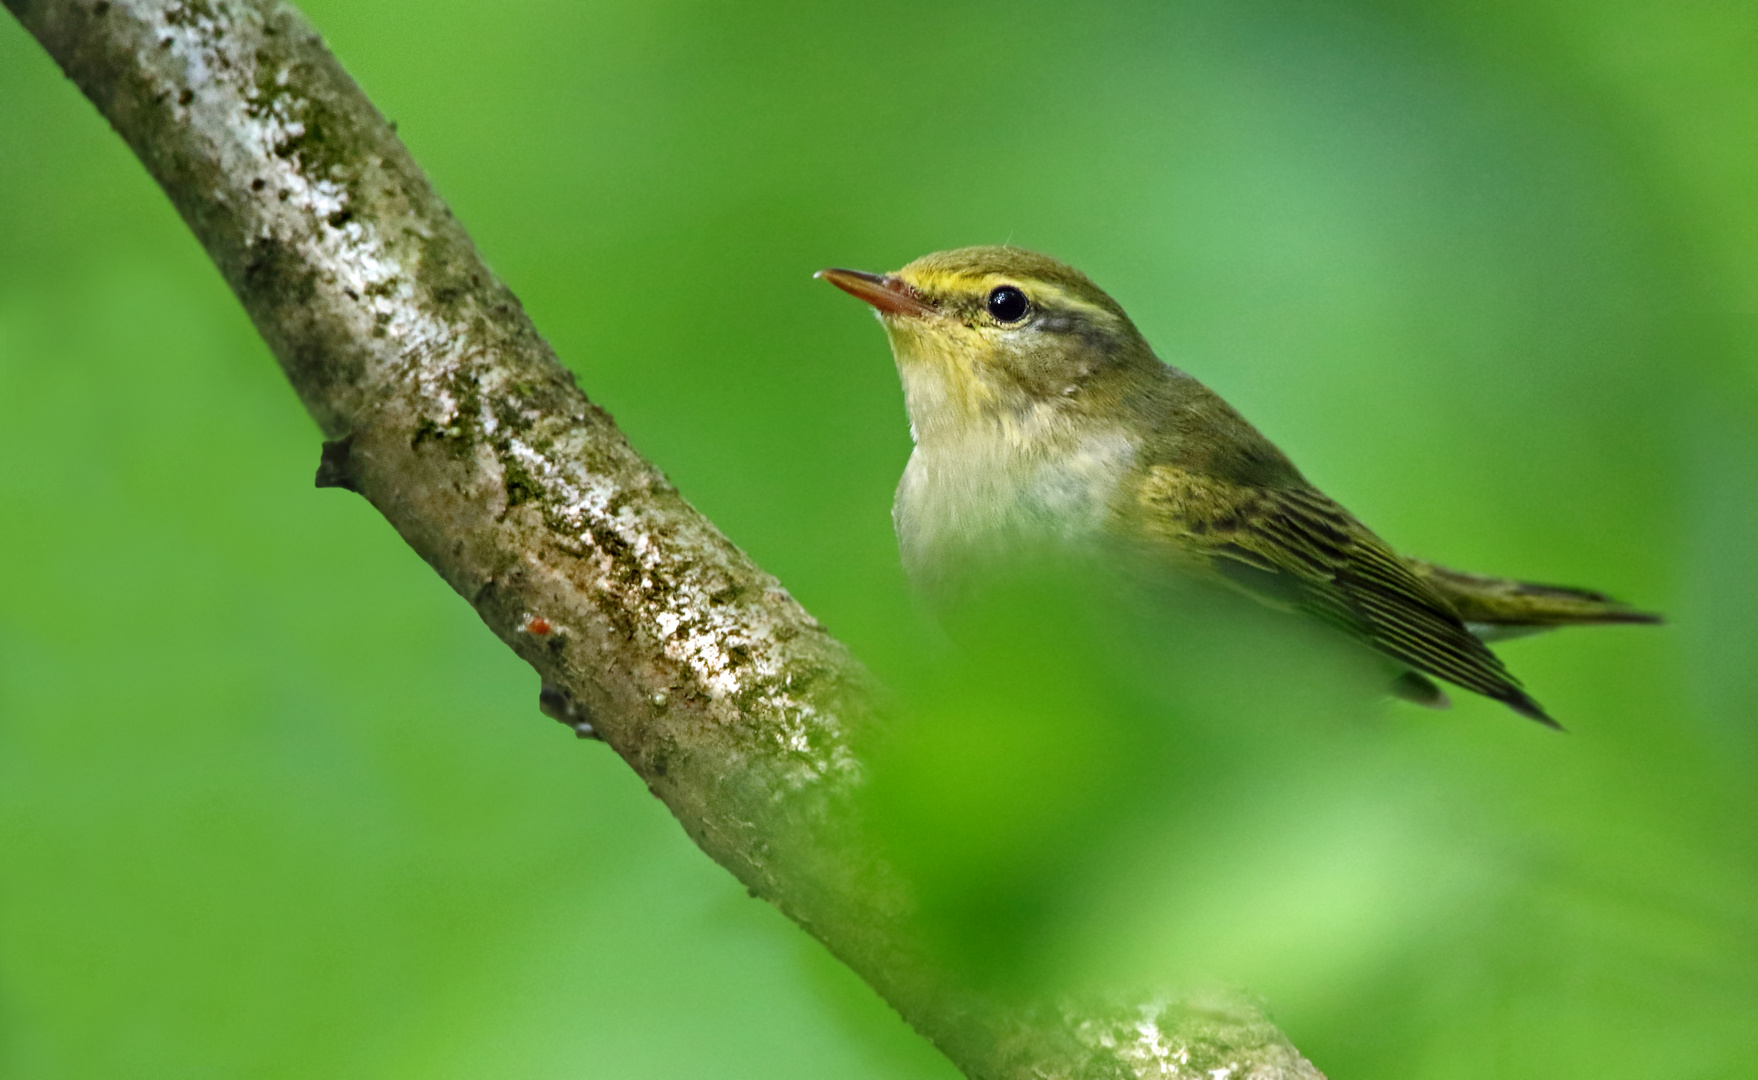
[[1040, 414]]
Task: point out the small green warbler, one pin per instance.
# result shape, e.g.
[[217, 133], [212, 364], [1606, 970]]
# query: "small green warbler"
[[1040, 415]]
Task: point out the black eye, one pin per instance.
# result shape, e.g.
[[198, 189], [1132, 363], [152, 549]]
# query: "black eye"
[[1008, 304]]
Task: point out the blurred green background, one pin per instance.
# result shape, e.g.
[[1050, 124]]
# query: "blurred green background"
[[273, 803]]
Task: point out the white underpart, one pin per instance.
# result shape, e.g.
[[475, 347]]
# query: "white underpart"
[[1018, 479]]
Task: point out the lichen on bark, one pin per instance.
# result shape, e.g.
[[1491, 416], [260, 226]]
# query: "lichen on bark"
[[443, 406]]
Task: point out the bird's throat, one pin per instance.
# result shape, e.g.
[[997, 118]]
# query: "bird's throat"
[[1003, 487]]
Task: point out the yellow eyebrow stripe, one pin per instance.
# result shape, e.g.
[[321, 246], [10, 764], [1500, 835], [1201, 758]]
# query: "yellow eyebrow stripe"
[[952, 283]]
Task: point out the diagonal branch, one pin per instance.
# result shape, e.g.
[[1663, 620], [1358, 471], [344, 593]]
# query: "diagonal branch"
[[446, 410]]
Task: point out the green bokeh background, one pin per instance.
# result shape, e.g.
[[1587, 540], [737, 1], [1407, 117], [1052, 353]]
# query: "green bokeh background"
[[273, 803]]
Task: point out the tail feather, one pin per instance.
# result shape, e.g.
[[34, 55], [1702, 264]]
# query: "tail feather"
[[1506, 607], [1415, 687]]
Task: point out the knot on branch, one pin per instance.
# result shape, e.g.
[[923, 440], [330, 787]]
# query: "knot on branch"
[[555, 703], [335, 466]]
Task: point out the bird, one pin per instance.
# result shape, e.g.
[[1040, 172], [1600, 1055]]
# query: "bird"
[[1039, 413]]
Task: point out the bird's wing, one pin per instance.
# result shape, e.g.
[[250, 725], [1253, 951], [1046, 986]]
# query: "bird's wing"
[[1296, 548]]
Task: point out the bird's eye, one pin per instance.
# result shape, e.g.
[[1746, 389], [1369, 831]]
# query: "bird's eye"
[[1008, 305]]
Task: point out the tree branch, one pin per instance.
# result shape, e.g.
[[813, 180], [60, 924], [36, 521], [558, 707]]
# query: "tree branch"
[[447, 411]]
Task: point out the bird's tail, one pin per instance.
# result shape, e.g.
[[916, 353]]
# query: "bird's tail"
[[1496, 608]]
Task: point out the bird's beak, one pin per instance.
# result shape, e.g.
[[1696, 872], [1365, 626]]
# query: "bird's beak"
[[891, 295]]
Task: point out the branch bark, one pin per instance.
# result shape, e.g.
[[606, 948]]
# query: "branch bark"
[[444, 408]]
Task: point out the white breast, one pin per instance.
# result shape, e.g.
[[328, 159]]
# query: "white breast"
[[994, 488]]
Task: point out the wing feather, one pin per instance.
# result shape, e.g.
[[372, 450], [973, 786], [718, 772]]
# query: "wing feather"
[[1293, 546]]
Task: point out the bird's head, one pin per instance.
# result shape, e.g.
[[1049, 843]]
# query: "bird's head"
[[996, 332]]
